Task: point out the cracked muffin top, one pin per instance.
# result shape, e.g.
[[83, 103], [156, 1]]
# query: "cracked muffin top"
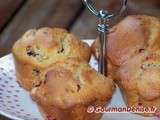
[[47, 45], [72, 82], [133, 34]]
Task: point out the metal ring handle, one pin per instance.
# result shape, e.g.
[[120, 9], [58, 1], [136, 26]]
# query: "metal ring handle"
[[103, 26], [103, 13]]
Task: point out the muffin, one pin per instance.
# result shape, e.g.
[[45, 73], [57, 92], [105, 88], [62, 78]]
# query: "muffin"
[[68, 88], [140, 80], [134, 33], [38, 49], [132, 43]]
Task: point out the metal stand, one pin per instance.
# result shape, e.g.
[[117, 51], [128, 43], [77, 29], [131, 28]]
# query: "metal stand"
[[104, 17]]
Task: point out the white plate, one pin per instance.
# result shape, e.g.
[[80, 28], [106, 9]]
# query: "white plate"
[[15, 102]]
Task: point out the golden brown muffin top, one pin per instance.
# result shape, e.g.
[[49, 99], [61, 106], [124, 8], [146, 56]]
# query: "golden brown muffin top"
[[72, 82], [134, 47], [48, 45], [133, 34], [142, 73]]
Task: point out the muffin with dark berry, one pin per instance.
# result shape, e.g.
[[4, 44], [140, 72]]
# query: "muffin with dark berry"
[[68, 88], [38, 49]]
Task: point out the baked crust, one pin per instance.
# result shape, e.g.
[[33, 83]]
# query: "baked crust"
[[69, 88], [132, 44], [140, 81], [38, 49], [131, 35]]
